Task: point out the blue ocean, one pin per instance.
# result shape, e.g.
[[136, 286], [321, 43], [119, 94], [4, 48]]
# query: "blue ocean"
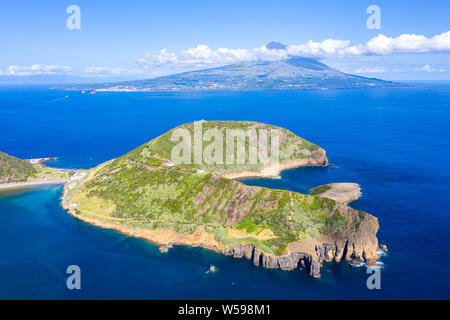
[[394, 142]]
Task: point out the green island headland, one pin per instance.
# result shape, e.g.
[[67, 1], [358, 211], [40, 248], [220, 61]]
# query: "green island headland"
[[144, 194]]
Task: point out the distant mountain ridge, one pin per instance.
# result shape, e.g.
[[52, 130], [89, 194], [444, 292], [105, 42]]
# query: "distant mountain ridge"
[[294, 73]]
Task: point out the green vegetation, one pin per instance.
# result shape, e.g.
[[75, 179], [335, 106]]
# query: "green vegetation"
[[51, 173], [139, 189], [292, 147], [320, 189], [13, 169]]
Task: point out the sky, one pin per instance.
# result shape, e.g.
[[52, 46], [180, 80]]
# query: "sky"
[[140, 39]]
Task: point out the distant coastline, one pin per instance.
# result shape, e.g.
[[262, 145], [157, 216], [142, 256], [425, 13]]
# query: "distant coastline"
[[292, 73]]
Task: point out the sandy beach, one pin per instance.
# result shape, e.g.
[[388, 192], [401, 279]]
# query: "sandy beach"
[[31, 183], [274, 170]]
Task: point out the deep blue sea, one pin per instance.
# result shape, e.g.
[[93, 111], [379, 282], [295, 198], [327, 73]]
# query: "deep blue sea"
[[394, 142]]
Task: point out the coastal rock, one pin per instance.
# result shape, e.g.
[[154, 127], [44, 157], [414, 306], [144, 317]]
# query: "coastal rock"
[[339, 251], [257, 257], [314, 269], [286, 262], [356, 261], [240, 250], [290, 262], [164, 248], [326, 252], [363, 242], [270, 262], [371, 263]]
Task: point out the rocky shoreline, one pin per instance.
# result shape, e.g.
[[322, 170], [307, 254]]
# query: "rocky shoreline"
[[325, 252], [360, 247], [311, 261]]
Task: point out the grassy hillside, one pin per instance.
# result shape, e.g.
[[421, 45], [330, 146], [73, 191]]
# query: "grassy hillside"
[[320, 189], [168, 198], [292, 147], [13, 169], [144, 192]]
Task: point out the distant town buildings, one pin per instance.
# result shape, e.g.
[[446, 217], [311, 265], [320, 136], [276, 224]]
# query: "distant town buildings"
[[78, 176], [72, 185], [168, 164]]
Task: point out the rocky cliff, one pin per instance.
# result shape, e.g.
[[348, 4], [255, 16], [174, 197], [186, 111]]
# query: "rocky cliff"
[[359, 245]]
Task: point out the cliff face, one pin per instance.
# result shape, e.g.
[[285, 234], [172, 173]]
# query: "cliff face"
[[359, 245]]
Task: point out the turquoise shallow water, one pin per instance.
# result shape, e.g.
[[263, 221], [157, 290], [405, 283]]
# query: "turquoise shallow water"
[[394, 142]]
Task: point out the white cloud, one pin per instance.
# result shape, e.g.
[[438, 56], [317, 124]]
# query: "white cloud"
[[203, 56], [166, 62], [103, 70], [409, 43], [118, 72], [428, 68], [35, 69], [379, 45], [371, 70], [326, 48]]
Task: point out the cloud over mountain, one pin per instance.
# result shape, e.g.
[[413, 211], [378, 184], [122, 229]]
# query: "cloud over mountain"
[[165, 62], [203, 55]]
